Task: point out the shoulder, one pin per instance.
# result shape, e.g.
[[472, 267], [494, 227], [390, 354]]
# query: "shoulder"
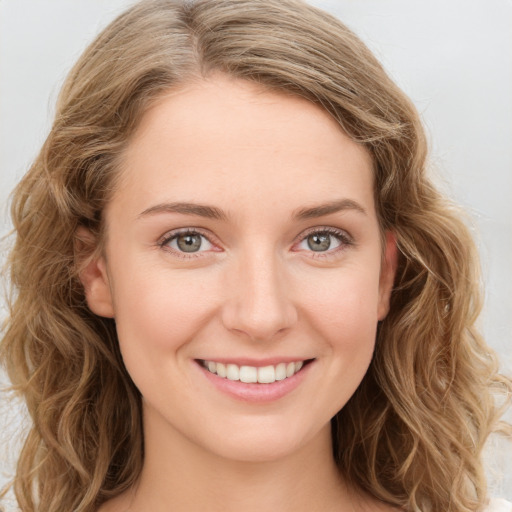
[[498, 505]]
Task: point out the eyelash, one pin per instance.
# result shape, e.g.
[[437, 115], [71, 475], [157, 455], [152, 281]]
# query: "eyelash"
[[169, 237], [342, 236]]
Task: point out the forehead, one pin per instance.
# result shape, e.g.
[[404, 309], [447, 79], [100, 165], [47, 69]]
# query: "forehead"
[[215, 137]]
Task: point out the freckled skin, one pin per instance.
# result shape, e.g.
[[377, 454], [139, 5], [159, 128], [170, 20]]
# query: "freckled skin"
[[255, 288]]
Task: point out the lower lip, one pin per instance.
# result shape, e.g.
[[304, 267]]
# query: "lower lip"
[[254, 392]]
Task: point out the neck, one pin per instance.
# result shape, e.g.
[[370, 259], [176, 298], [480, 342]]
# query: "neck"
[[182, 476]]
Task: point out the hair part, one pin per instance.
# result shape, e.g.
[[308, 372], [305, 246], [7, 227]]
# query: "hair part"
[[413, 432]]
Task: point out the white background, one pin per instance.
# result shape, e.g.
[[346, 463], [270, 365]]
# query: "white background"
[[454, 58]]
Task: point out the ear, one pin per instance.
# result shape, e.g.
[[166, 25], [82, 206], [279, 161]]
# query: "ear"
[[387, 274], [93, 273]]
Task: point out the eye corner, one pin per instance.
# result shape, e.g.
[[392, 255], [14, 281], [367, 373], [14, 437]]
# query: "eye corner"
[[170, 242], [326, 234]]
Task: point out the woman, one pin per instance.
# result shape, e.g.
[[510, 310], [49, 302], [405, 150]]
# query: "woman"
[[234, 284]]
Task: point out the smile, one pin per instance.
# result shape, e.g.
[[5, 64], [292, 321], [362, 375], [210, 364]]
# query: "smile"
[[252, 374]]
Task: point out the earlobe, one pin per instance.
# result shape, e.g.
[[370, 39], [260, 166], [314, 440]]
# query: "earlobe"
[[93, 275], [387, 275]]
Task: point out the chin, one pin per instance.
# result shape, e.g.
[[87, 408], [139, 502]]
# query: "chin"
[[264, 442]]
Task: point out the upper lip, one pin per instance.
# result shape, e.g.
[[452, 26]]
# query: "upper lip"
[[248, 361]]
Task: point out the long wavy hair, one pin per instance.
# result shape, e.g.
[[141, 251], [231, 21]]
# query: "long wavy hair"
[[413, 432]]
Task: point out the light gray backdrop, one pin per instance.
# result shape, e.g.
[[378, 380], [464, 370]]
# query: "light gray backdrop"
[[453, 58]]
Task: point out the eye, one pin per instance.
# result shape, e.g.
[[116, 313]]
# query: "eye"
[[187, 242], [324, 240]]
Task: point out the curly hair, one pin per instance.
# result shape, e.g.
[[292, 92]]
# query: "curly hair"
[[413, 432]]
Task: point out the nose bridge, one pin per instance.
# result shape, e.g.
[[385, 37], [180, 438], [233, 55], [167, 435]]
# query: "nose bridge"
[[259, 303]]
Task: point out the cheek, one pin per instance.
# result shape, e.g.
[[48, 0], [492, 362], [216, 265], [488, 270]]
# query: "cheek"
[[341, 316], [157, 312], [344, 301]]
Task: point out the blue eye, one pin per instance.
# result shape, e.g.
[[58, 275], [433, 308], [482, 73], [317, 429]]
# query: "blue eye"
[[188, 242]]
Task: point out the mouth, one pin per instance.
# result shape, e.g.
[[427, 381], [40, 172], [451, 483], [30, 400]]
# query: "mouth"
[[255, 374]]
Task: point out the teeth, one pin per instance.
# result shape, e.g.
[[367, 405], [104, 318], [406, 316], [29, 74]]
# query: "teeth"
[[221, 370], [232, 372], [281, 371], [248, 374], [266, 374], [252, 374]]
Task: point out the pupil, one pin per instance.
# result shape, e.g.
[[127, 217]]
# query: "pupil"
[[189, 243], [319, 242]]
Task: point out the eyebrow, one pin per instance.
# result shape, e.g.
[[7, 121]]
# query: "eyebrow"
[[329, 208], [201, 210], [212, 212]]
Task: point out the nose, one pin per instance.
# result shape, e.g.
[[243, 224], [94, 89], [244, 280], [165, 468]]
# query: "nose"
[[258, 303]]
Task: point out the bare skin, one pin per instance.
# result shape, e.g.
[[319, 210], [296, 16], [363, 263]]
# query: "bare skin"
[[244, 232]]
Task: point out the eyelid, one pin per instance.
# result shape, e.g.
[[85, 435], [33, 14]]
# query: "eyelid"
[[345, 238], [170, 235]]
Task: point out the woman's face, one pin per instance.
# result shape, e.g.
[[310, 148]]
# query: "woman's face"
[[243, 237]]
